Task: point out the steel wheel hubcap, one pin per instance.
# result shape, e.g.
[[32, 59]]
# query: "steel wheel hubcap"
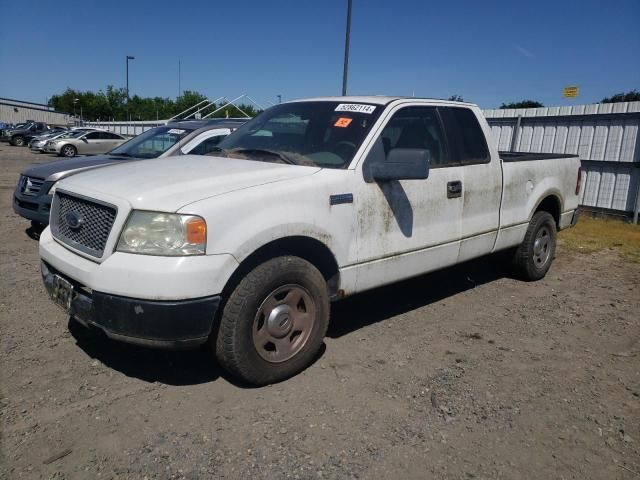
[[283, 323], [542, 247]]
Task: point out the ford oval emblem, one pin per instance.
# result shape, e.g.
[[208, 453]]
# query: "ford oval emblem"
[[74, 220]]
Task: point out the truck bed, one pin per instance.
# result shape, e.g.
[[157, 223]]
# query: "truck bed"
[[528, 157]]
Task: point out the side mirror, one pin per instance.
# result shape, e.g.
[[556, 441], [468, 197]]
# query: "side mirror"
[[401, 164], [84, 139]]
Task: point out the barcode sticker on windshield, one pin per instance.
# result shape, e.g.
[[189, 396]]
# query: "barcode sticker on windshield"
[[176, 131], [355, 107]]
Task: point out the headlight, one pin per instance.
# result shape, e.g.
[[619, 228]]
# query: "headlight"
[[52, 190], [165, 234]]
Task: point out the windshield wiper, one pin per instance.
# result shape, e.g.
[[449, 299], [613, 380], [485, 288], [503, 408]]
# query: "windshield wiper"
[[260, 151]]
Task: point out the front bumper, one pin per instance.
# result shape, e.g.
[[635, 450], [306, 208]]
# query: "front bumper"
[[51, 149], [155, 323], [36, 209]]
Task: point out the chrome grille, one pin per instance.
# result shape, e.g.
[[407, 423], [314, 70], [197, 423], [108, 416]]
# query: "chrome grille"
[[30, 186], [82, 223]]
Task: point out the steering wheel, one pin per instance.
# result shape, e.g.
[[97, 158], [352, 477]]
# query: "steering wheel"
[[345, 149]]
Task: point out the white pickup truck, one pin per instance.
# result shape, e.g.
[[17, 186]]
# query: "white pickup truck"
[[311, 201]]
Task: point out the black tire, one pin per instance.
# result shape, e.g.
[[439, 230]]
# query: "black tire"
[[18, 141], [533, 258], [235, 346], [68, 151]]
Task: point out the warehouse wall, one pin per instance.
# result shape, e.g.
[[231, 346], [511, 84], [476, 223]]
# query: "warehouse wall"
[[605, 136], [15, 111]]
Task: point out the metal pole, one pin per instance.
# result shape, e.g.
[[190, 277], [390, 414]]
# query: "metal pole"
[[190, 108], [514, 135], [346, 50], [637, 209], [129, 57], [255, 103], [230, 102], [179, 78]]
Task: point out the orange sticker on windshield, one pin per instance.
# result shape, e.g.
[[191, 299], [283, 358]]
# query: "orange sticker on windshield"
[[343, 122]]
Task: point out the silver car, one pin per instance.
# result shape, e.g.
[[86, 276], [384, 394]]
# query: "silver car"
[[80, 142], [37, 143]]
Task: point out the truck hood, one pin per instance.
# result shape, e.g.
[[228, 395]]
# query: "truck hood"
[[57, 170], [168, 184]]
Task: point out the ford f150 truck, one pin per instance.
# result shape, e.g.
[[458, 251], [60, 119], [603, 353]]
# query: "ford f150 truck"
[[309, 202]]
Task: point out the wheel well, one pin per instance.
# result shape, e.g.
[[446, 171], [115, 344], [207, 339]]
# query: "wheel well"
[[310, 249], [550, 204]]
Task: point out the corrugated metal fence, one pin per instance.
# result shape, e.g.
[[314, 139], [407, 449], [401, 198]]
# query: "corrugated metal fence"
[[127, 128], [604, 135]]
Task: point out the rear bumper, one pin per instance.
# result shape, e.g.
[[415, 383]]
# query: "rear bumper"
[[169, 324], [576, 216]]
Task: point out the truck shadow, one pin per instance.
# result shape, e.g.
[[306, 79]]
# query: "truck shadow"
[[188, 367], [193, 367], [34, 231], [383, 303]]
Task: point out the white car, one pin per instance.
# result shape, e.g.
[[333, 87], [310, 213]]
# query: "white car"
[[309, 202]]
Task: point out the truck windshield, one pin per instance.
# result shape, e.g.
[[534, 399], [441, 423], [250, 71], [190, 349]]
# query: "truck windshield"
[[322, 134], [152, 143]]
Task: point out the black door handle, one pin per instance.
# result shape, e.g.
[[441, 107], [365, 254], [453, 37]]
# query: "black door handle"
[[454, 189]]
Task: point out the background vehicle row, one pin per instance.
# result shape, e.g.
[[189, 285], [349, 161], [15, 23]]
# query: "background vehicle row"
[[33, 192]]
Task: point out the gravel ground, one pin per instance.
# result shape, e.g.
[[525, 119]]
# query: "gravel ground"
[[456, 375]]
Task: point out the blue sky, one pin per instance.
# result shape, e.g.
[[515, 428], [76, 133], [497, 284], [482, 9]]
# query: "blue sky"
[[486, 51]]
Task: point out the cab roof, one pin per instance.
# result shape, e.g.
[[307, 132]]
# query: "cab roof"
[[378, 100]]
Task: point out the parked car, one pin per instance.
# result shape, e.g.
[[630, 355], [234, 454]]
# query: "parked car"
[[83, 142], [20, 135], [309, 202], [33, 193], [36, 144]]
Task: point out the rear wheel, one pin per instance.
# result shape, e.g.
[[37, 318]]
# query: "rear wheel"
[[18, 141], [68, 151], [274, 321], [533, 257]]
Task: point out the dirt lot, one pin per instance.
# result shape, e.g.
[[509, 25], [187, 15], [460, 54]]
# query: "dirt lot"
[[456, 375]]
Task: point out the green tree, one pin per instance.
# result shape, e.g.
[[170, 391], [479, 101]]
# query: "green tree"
[[188, 99], [522, 104], [111, 104], [632, 96], [456, 98]]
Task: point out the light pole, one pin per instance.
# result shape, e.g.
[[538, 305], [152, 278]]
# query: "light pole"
[[129, 57], [346, 50], [75, 100]]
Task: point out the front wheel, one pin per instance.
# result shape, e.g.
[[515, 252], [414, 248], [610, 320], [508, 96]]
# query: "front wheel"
[[17, 141], [274, 321], [533, 257], [68, 151]]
